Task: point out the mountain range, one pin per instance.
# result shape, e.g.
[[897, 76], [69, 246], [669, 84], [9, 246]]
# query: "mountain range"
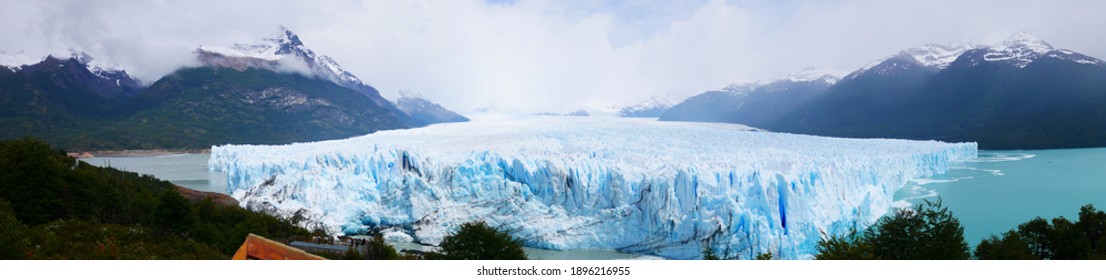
[[272, 92], [1019, 94], [754, 103], [653, 107]]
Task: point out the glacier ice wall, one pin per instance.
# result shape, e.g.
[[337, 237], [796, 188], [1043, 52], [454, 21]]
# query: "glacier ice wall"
[[661, 188]]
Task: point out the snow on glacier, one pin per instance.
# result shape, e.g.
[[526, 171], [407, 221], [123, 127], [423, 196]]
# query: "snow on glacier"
[[639, 186]]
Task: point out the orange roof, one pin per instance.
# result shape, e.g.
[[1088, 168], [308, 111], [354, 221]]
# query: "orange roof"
[[260, 248]]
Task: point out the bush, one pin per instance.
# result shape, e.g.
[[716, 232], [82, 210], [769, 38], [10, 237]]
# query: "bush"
[[765, 257], [1010, 247], [848, 247], [13, 243], [478, 241], [378, 250], [708, 253], [174, 213], [53, 206], [927, 232]]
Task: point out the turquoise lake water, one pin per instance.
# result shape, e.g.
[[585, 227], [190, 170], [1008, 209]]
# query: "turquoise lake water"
[[187, 170], [990, 195], [1002, 189]]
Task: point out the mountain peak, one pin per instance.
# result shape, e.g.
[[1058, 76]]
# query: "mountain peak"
[[406, 94], [937, 56], [1023, 40], [274, 49], [931, 56], [102, 69], [287, 41], [744, 87], [1019, 49], [286, 51], [84, 58], [17, 60], [810, 74], [653, 107]]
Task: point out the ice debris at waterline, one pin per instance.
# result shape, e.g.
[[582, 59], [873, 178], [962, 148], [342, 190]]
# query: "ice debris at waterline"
[[639, 186]]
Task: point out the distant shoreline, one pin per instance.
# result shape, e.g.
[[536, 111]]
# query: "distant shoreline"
[[137, 153]]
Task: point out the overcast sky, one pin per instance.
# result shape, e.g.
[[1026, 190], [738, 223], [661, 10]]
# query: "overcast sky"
[[545, 55]]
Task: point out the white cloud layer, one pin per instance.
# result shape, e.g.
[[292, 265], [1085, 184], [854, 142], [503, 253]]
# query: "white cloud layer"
[[544, 55]]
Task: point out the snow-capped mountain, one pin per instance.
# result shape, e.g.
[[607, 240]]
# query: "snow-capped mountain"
[[284, 52], [113, 73], [754, 103], [820, 75], [106, 71], [286, 45], [932, 57], [53, 96], [1021, 49], [810, 74], [744, 87], [650, 108], [16, 60], [1014, 94]]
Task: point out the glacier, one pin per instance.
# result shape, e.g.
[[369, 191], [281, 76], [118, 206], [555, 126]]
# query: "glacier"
[[633, 185]]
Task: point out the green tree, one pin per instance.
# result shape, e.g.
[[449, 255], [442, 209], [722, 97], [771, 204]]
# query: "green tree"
[[1010, 247], [32, 180], [60, 208], [174, 213], [13, 234], [478, 241], [352, 254], [848, 247], [926, 232], [1067, 241], [377, 249], [1035, 233], [1058, 239], [708, 252], [765, 256], [1092, 223]]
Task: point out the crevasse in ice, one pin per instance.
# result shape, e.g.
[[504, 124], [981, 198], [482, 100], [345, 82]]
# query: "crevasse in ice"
[[661, 188]]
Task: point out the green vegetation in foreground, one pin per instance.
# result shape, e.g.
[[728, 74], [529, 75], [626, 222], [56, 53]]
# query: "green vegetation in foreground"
[[930, 232], [1059, 240], [926, 232], [56, 207], [708, 254], [478, 241]]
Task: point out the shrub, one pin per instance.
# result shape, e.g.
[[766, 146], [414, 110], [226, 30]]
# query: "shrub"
[[926, 232], [478, 241]]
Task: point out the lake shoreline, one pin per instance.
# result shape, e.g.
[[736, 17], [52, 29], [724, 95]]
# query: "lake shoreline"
[[136, 153]]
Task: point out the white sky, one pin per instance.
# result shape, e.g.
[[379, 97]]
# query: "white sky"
[[545, 55]]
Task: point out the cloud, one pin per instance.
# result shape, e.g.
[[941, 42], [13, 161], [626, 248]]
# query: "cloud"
[[544, 55]]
